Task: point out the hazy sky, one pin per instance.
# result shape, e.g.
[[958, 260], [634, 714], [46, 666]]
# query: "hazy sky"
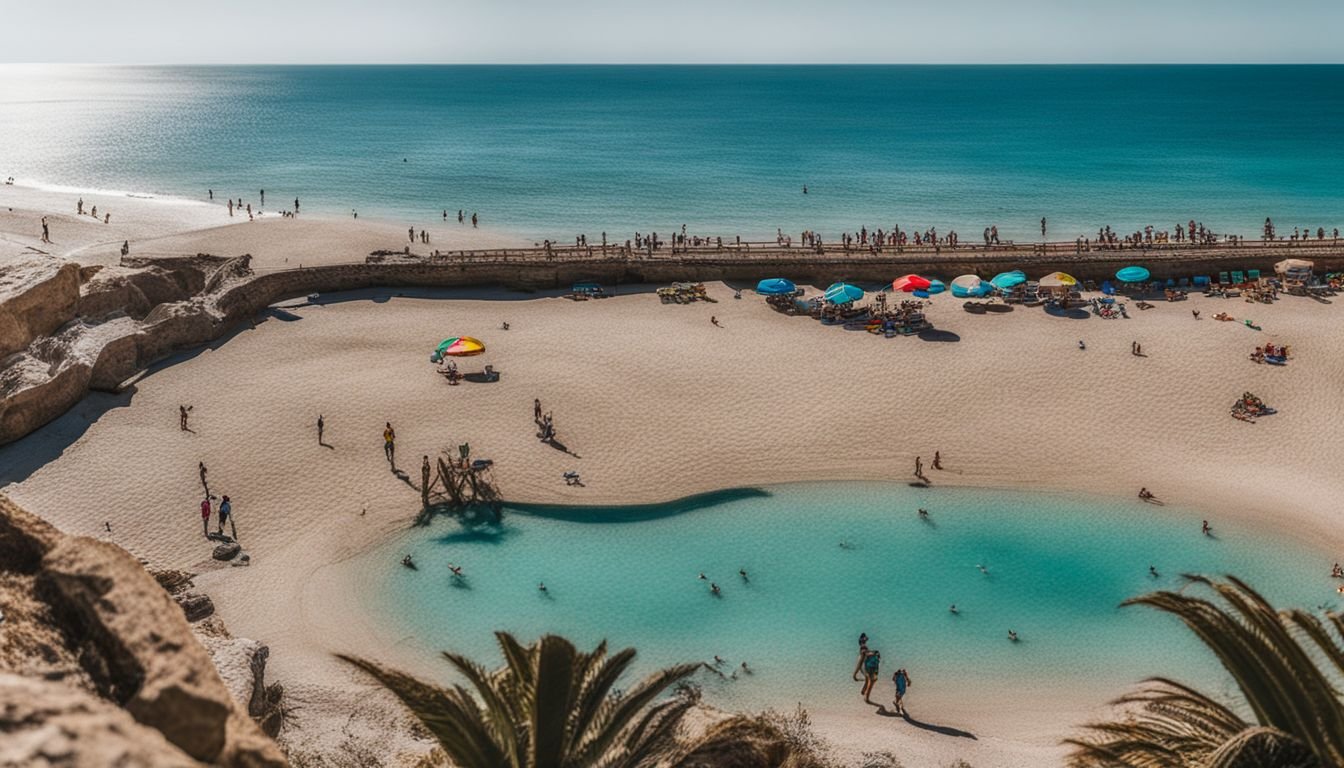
[[530, 31]]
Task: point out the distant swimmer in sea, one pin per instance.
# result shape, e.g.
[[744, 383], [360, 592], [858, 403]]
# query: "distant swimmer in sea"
[[702, 575], [541, 586], [1206, 529], [718, 659], [952, 608], [1152, 571], [804, 189], [714, 589], [408, 562], [745, 668], [456, 569], [743, 573], [983, 569], [1337, 572], [846, 545], [1012, 636], [923, 513]]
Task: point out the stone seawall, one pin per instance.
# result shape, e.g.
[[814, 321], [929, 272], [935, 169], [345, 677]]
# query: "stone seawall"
[[41, 382]]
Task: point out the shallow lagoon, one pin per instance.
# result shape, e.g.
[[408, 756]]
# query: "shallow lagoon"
[[1058, 567]]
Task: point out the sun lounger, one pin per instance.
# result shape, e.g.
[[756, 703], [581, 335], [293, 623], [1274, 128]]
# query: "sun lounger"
[[1238, 278], [1223, 279], [1253, 274]]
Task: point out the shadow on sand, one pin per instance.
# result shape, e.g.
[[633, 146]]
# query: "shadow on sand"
[[934, 334], [942, 730]]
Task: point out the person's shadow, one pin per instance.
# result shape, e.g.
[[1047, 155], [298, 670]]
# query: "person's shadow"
[[942, 730]]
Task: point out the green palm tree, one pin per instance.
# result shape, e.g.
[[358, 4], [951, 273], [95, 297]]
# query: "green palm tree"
[[1287, 666], [549, 706]]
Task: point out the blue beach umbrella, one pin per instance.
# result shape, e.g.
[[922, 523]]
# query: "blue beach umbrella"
[[970, 286], [843, 293], [775, 286], [1132, 275], [1005, 280]]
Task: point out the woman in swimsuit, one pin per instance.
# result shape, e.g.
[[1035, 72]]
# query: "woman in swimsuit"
[[902, 681]]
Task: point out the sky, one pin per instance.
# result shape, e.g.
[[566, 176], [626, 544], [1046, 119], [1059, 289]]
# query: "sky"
[[672, 31]]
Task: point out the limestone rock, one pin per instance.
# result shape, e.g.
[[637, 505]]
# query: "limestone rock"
[[195, 605], [37, 296], [148, 659], [50, 725], [226, 552]]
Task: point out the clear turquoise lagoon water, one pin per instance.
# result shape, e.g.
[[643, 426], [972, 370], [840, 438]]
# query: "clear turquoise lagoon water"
[[551, 151], [1058, 566]]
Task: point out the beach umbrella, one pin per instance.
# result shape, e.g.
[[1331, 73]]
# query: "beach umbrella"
[[460, 346], [843, 293], [1132, 275], [968, 286], [1005, 280], [909, 283], [1058, 280], [936, 286], [775, 286]]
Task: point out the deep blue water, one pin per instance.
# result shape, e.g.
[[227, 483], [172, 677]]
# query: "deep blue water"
[[556, 150], [1058, 566]]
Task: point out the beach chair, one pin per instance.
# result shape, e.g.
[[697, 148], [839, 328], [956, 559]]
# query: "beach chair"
[[1253, 274], [1238, 278], [1223, 279]]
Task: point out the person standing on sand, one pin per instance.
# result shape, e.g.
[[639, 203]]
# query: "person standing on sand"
[[536, 409], [46, 234], [182, 422], [296, 206], [225, 509], [872, 660], [919, 466], [937, 460], [1042, 227], [321, 427], [390, 444], [205, 516], [230, 206], [206, 486], [473, 220], [902, 681]]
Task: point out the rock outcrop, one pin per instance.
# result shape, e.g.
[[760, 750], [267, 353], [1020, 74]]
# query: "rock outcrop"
[[50, 725], [133, 646], [37, 296]]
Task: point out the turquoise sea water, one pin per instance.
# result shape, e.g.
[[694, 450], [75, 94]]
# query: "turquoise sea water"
[[1058, 566], [551, 151]]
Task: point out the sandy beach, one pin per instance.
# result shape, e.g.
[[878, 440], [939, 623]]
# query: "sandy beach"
[[653, 403]]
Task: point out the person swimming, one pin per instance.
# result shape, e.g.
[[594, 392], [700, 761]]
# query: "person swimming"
[[1207, 530], [541, 586], [952, 608], [408, 562], [718, 659], [924, 513], [1152, 571], [745, 668], [983, 569], [1012, 636], [713, 588], [743, 573], [456, 569], [1337, 572], [702, 576]]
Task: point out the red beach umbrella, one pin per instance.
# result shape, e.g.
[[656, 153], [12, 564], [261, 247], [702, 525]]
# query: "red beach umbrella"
[[910, 283]]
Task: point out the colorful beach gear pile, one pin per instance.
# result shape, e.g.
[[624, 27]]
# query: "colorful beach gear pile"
[[1250, 407]]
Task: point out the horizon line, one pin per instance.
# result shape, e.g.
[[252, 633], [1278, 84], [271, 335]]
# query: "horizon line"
[[673, 64]]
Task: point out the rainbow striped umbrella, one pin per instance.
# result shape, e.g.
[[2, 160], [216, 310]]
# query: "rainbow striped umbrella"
[[460, 346]]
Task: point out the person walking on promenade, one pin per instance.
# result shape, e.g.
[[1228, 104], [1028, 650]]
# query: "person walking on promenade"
[[390, 445]]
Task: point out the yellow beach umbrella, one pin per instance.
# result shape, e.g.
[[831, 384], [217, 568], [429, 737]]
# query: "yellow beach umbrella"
[[1058, 280]]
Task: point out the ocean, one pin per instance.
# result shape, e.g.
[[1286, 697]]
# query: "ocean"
[[553, 151]]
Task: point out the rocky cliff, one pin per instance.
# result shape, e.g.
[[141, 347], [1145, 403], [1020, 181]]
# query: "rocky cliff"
[[99, 666]]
